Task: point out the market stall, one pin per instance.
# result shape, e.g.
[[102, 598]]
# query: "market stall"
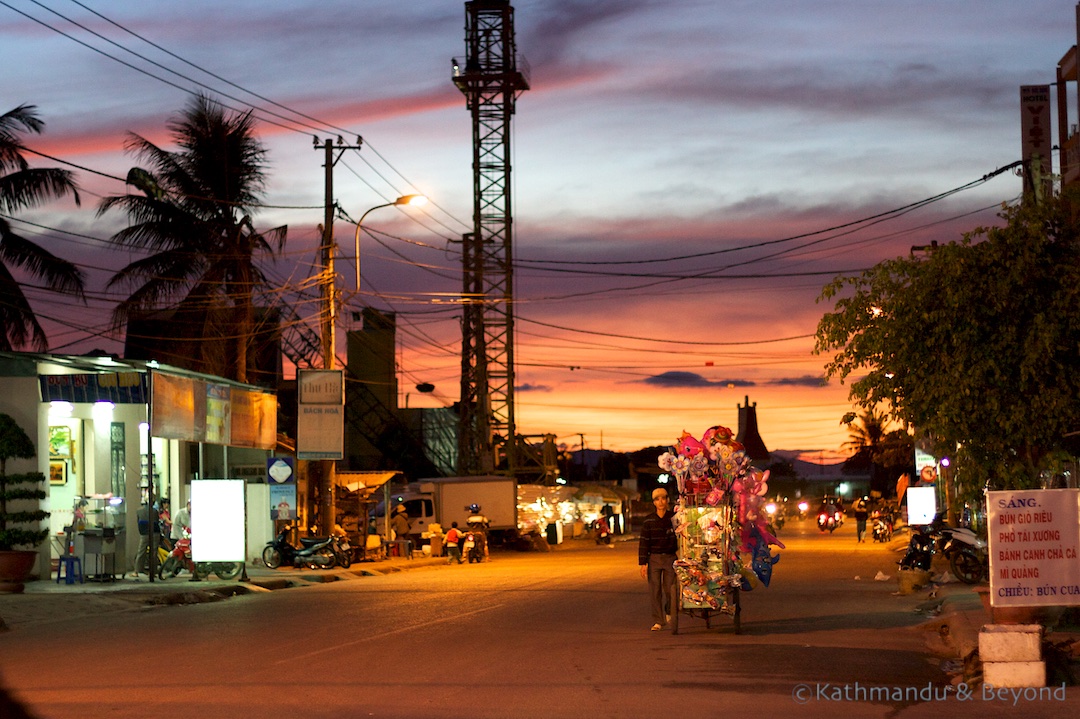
[[721, 524]]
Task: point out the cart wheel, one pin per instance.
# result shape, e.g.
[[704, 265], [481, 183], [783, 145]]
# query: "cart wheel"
[[675, 621], [737, 618]]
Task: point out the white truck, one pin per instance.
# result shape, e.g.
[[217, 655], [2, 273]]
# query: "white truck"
[[447, 499]]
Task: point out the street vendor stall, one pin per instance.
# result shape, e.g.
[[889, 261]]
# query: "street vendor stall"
[[721, 524], [357, 495]]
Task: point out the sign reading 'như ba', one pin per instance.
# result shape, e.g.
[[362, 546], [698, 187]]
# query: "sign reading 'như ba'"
[[1034, 544]]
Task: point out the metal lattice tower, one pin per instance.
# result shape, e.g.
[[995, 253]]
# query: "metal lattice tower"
[[490, 79]]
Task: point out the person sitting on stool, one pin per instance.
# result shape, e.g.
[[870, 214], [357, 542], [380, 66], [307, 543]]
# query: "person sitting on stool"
[[401, 526]]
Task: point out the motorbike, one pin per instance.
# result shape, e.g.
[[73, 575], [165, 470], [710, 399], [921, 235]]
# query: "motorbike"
[[180, 559], [776, 516], [473, 546], [313, 552], [920, 551], [968, 554], [883, 528], [164, 546], [829, 519], [342, 551], [603, 534]]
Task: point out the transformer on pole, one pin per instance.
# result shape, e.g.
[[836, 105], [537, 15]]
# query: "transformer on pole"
[[491, 80]]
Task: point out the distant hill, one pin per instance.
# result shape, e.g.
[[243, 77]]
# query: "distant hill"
[[812, 471]]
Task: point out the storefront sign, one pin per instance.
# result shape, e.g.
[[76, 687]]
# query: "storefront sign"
[[1034, 543], [1035, 132], [320, 421], [281, 476], [218, 414], [115, 387], [194, 410]]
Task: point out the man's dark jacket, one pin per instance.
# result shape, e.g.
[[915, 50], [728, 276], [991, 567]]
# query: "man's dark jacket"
[[657, 537]]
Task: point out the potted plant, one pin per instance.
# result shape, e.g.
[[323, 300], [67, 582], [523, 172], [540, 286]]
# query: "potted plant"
[[15, 563]]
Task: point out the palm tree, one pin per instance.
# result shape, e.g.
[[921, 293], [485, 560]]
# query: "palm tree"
[[193, 217], [22, 187], [877, 450], [864, 439], [867, 435]]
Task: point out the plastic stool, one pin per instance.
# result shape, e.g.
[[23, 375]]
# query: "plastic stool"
[[73, 567]]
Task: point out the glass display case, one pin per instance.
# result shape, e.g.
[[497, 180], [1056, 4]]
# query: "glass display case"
[[104, 513], [100, 534]]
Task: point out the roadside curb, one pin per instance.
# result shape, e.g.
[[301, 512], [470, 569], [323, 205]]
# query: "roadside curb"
[[47, 601]]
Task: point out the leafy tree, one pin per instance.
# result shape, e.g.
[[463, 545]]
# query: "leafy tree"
[[976, 344], [16, 444], [194, 216], [23, 187]]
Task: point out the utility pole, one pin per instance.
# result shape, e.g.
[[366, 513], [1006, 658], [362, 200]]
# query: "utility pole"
[[328, 317]]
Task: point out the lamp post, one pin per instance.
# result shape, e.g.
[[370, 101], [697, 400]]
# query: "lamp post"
[[414, 200]]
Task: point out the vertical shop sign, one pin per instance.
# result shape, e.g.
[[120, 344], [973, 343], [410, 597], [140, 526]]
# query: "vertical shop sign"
[[1034, 539], [320, 422], [1035, 135], [281, 477], [218, 414]]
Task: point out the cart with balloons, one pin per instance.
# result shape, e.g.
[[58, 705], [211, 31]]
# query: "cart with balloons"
[[725, 546]]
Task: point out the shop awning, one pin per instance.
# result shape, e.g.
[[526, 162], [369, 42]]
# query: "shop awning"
[[356, 481]]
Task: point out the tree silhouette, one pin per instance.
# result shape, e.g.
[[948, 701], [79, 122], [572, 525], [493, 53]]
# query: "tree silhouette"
[[23, 187], [193, 215]]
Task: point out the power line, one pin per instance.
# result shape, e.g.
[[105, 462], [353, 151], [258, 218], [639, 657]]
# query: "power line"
[[318, 127], [877, 217]]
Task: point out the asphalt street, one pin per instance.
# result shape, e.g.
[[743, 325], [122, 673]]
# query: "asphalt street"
[[554, 634]]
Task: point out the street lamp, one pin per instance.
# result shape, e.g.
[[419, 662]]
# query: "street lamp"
[[422, 388], [414, 200]]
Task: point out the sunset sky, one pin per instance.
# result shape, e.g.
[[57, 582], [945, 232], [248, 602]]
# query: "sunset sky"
[[687, 174]]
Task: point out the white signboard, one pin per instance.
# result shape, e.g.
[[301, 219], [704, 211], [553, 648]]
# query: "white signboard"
[[921, 505], [320, 432], [217, 520], [1034, 540], [320, 386], [320, 421]]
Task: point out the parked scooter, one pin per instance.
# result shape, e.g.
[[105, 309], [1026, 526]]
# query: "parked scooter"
[[343, 552], [164, 546], [883, 527], [313, 552], [180, 559], [968, 554], [920, 551]]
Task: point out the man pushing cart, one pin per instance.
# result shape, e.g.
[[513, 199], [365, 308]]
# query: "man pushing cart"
[[720, 522]]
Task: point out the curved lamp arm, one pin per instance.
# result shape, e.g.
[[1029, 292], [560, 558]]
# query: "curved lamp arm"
[[415, 200]]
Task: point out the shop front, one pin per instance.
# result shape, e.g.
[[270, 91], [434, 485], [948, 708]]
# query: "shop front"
[[115, 434]]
